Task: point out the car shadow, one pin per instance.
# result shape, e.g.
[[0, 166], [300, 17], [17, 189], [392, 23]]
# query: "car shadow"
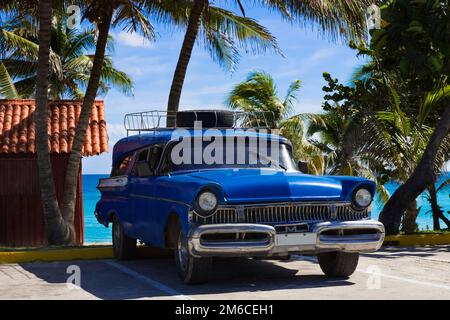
[[105, 279]]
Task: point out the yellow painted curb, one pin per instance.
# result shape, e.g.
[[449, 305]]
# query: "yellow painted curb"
[[56, 255], [418, 239], [76, 253]]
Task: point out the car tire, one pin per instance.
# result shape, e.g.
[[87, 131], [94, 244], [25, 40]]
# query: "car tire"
[[191, 270], [209, 119], [124, 247], [338, 264]]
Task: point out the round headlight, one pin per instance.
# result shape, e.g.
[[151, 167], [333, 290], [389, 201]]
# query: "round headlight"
[[206, 202], [362, 198]]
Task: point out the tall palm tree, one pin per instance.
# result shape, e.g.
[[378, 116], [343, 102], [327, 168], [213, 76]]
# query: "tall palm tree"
[[60, 217], [72, 62], [222, 32], [337, 18], [58, 231], [102, 13]]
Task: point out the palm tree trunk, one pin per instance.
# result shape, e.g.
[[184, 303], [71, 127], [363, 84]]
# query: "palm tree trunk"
[[71, 179], [57, 230], [437, 212], [423, 176], [183, 60], [434, 206], [409, 220]]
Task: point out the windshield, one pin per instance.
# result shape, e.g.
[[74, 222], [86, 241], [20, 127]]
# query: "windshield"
[[223, 153]]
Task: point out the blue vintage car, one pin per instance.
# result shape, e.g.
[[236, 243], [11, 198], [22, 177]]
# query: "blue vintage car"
[[229, 208]]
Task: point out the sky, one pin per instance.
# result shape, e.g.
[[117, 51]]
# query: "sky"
[[306, 55]]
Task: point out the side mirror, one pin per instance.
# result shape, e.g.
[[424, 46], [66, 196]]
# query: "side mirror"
[[302, 166]]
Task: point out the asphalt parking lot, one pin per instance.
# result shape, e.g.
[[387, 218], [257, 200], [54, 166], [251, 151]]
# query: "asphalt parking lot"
[[392, 273]]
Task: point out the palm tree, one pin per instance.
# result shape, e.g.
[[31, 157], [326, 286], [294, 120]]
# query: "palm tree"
[[398, 143], [72, 63], [58, 231], [222, 32], [337, 18], [59, 217], [338, 133], [258, 95], [436, 209], [100, 13]]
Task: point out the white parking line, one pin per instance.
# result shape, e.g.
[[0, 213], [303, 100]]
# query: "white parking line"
[[423, 283], [172, 292]]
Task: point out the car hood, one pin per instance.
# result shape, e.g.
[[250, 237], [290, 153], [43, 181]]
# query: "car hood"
[[248, 185]]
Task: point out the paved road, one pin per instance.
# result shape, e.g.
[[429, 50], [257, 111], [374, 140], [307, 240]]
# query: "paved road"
[[393, 273]]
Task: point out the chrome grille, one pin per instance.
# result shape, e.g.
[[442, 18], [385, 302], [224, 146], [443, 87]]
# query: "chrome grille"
[[283, 213]]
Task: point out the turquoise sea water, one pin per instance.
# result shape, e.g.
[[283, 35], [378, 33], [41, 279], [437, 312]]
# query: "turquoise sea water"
[[95, 232]]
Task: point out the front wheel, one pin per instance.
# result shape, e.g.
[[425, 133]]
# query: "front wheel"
[[124, 247], [190, 269], [338, 264]]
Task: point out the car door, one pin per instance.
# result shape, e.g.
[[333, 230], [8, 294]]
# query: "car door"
[[143, 194]]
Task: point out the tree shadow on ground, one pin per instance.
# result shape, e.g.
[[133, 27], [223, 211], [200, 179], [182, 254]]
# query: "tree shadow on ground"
[[418, 252]]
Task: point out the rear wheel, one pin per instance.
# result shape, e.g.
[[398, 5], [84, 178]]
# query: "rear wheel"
[[124, 247], [190, 269], [338, 264]]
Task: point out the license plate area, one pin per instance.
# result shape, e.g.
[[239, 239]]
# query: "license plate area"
[[293, 239]]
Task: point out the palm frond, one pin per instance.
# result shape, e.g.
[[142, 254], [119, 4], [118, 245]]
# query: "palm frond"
[[245, 32], [337, 19], [221, 49], [431, 99], [291, 97], [7, 88], [132, 18]]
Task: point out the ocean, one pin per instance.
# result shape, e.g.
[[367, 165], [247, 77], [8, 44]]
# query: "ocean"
[[95, 232]]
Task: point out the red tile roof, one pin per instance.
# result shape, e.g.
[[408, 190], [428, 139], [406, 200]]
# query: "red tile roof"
[[17, 127]]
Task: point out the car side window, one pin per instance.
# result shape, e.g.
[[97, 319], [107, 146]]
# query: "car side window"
[[154, 157], [121, 169], [142, 168]]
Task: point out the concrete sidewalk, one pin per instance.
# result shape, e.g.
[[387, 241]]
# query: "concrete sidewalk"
[[392, 273]]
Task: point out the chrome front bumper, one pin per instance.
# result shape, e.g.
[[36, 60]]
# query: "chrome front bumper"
[[243, 239]]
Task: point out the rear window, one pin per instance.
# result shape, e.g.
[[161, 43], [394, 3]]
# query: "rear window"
[[121, 168]]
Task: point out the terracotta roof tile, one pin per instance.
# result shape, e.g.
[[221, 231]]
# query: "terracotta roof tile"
[[17, 127]]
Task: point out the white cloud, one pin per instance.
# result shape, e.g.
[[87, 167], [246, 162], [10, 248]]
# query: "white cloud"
[[322, 54], [132, 40], [116, 131]]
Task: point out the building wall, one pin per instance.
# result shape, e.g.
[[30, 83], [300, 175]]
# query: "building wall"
[[21, 215]]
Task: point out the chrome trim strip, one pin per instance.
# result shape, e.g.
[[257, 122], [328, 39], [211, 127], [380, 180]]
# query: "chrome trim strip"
[[159, 199]]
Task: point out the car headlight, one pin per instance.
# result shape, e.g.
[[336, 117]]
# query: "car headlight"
[[362, 198], [206, 203]]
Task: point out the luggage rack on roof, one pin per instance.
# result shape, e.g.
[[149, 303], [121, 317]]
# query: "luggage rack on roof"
[[151, 121]]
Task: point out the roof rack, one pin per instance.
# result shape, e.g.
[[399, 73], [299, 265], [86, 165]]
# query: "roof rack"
[[153, 120]]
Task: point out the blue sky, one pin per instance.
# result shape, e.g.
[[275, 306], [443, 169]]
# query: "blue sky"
[[307, 55]]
